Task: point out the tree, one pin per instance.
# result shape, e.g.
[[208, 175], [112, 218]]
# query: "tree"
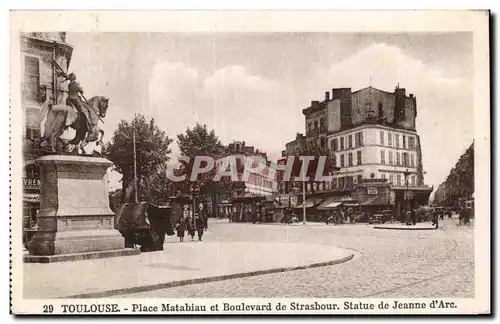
[[152, 150], [199, 141]]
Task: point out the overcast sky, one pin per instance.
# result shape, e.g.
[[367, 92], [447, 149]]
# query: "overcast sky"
[[253, 87]]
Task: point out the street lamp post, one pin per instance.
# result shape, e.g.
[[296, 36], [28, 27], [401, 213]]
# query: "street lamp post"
[[304, 200], [407, 200]]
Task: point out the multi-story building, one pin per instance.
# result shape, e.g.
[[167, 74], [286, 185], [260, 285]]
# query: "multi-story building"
[[372, 136], [41, 85]]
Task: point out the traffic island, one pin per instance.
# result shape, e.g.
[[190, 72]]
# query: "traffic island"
[[178, 265]]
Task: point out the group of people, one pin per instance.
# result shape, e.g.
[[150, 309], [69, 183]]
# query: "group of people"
[[186, 224], [338, 217]]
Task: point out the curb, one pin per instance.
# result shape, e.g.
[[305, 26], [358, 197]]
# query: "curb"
[[132, 290], [406, 228]]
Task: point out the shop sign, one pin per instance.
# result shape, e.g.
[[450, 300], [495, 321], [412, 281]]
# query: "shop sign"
[[372, 190], [31, 183]]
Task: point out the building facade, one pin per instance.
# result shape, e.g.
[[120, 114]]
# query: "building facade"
[[372, 136], [40, 85]]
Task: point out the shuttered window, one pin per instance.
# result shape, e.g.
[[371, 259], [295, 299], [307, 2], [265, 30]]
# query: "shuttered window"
[[31, 77]]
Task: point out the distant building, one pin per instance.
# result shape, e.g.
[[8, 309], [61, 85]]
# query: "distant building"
[[372, 135], [40, 85], [243, 199]]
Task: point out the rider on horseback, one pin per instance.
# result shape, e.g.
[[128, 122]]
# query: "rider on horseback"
[[74, 100]]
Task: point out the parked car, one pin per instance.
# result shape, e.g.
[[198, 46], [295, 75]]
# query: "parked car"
[[376, 218], [361, 217], [380, 217]]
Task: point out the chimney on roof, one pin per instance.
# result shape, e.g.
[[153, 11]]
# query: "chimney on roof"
[[327, 96], [411, 95], [314, 104]]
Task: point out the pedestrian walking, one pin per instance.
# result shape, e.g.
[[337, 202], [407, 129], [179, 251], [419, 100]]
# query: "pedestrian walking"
[[199, 226], [190, 227], [435, 219], [181, 228]]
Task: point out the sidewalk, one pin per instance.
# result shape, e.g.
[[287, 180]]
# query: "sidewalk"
[[179, 264]]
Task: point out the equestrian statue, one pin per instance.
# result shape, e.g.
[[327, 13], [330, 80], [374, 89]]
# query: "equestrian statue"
[[81, 115]]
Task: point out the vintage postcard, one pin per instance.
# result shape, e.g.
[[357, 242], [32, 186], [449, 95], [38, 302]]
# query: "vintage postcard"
[[250, 162]]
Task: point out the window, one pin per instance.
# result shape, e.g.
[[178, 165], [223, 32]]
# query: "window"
[[413, 182], [335, 145], [358, 139], [398, 179], [380, 110], [341, 160], [341, 143], [322, 125], [382, 157], [349, 156], [31, 77], [381, 138], [411, 142], [389, 139], [391, 157], [323, 142], [315, 125], [341, 182], [412, 161], [404, 141], [398, 159], [397, 140], [350, 141], [334, 183], [359, 158], [391, 179], [360, 178], [406, 159], [309, 128], [383, 175]]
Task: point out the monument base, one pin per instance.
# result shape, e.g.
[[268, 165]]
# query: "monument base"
[[79, 256], [74, 221]]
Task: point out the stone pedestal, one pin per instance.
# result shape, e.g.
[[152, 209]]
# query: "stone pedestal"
[[74, 220]]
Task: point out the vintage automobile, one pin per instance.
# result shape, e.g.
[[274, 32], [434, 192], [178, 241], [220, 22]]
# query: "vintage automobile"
[[144, 224], [361, 217], [380, 217]]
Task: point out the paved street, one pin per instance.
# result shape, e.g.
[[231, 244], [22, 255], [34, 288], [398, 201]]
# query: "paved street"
[[390, 263]]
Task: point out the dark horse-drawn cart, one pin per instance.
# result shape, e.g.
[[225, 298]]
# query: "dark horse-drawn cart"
[[144, 224]]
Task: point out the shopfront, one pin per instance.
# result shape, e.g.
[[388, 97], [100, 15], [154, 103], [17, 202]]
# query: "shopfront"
[[31, 201]]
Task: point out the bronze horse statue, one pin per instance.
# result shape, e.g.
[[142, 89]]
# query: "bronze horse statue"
[[60, 117]]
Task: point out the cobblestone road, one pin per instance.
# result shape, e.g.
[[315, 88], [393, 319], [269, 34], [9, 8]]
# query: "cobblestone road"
[[391, 263]]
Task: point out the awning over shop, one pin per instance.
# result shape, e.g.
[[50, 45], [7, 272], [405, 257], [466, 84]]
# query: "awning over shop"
[[310, 202], [31, 198], [350, 203], [330, 203], [247, 197], [334, 204]]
